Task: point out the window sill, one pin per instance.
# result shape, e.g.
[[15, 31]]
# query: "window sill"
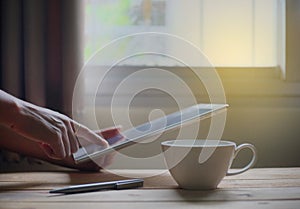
[[236, 81], [257, 82]]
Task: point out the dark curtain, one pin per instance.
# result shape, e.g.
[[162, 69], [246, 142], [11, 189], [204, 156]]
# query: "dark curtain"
[[41, 50]]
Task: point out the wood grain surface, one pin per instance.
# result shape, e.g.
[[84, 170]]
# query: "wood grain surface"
[[256, 188]]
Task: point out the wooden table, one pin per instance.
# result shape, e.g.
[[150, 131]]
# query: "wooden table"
[[257, 188]]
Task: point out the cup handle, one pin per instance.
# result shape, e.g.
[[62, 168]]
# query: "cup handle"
[[250, 164]]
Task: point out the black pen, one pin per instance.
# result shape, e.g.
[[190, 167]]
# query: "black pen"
[[117, 185]]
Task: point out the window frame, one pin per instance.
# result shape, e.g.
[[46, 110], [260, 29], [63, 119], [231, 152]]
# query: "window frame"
[[292, 41]]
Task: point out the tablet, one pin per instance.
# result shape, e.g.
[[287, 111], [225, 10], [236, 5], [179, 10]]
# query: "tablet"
[[149, 129]]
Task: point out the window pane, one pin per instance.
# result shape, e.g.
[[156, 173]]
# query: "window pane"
[[107, 20], [227, 31], [241, 33]]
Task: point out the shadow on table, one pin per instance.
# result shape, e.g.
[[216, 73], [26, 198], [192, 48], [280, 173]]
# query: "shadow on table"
[[203, 195]]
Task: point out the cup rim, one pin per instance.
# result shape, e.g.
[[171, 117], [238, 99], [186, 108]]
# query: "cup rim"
[[191, 144]]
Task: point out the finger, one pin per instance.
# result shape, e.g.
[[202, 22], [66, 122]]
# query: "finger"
[[47, 133], [64, 136], [88, 135], [58, 122], [40, 126], [57, 139], [74, 144], [56, 142]]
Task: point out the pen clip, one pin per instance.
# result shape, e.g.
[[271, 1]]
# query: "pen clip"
[[129, 184]]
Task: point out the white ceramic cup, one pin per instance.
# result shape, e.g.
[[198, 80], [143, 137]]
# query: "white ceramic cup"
[[202, 172]]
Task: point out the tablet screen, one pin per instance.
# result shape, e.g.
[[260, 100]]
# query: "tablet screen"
[[146, 130]]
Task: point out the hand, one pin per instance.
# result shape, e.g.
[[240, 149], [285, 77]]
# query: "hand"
[[25, 127], [54, 132], [12, 141], [97, 164]]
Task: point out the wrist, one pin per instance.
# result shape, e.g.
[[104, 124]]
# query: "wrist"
[[10, 108]]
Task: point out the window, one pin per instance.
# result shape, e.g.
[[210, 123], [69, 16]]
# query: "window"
[[232, 33], [244, 39]]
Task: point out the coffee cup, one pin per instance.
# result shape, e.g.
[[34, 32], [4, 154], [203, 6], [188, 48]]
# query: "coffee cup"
[[202, 164]]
